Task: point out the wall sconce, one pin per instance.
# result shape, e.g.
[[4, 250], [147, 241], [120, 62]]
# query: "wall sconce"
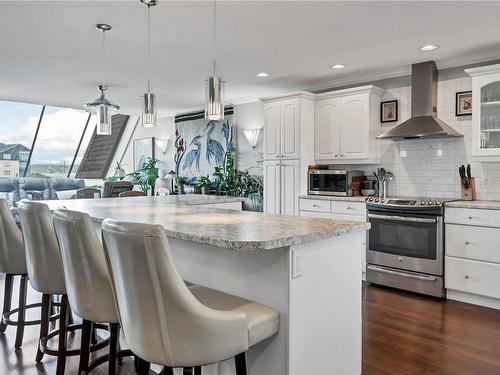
[[252, 136], [162, 144]]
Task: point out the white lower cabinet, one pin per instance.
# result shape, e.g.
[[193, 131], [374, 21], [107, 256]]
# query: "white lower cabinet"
[[337, 210], [281, 187], [472, 255]]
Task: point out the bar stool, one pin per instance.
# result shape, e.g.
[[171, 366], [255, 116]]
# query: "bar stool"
[[46, 275], [88, 283], [13, 263], [163, 320]]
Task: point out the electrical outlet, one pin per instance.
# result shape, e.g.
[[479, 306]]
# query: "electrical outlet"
[[297, 266]]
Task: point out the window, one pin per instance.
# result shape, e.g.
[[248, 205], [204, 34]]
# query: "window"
[[18, 123], [57, 141]]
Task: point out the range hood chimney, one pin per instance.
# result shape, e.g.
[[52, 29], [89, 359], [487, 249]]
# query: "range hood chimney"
[[423, 123]]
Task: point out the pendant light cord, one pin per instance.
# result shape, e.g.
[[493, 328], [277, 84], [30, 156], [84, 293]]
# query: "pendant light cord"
[[215, 37], [149, 48], [103, 58]]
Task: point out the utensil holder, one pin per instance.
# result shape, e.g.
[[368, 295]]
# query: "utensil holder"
[[469, 192]]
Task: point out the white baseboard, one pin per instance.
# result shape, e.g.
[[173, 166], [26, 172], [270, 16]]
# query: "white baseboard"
[[473, 299]]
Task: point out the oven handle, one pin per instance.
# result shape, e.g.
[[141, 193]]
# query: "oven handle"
[[403, 274], [402, 218]]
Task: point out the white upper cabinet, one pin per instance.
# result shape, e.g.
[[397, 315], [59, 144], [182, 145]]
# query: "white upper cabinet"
[[347, 123], [326, 129], [272, 128], [486, 112], [290, 132]]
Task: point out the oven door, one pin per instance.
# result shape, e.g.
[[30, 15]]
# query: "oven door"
[[328, 182], [413, 243]]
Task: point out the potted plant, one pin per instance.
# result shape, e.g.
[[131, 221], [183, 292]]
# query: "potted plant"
[[180, 181], [146, 175], [204, 183]]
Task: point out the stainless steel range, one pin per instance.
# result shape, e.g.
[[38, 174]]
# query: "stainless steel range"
[[405, 244]]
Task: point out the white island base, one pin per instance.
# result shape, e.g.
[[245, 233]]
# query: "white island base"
[[320, 310]]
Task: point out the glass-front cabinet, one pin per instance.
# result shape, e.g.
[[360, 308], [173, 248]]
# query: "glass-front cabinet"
[[486, 112]]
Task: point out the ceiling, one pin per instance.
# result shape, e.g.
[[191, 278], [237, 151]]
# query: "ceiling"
[[50, 51]]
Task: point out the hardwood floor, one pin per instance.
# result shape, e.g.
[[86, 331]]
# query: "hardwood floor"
[[407, 334], [403, 334]]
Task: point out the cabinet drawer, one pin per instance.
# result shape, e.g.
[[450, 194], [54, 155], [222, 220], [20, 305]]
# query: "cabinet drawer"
[[471, 276], [476, 243], [315, 205], [349, 208], [469, 216]]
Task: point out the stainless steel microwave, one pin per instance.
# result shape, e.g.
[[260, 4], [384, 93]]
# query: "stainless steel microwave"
[[331, 181]]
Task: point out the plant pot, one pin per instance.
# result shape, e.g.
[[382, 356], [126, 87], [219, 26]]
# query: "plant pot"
[[205, 190]]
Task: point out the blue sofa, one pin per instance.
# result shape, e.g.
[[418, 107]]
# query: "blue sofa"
[[15, 189]]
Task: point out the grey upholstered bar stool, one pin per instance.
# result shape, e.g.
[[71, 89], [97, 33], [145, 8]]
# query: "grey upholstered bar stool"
[[45, 270], [13, 263], [163, 320], [88, 283]]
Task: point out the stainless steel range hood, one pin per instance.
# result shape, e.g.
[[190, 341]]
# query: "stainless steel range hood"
[[423, 123]]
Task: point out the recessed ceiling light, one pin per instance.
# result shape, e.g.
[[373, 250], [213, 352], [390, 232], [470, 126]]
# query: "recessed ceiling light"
[[262, 75], [337, 66], [428, 47]]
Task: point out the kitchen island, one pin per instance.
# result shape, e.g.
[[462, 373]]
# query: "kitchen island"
[[307, 269]]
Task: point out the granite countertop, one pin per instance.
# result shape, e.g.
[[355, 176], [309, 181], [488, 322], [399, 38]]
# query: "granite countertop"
[[487, 205], [334, 198], [232, 229]]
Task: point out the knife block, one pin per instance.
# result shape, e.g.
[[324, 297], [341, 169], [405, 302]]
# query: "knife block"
[[469, 193]]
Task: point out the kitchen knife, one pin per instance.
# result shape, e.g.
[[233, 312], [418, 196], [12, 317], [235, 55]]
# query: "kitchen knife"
[[468, 171]]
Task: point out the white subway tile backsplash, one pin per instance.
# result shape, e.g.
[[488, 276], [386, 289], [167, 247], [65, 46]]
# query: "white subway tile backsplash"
[[429, 168]]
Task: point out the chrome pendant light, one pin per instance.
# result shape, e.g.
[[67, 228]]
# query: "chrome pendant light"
[[102, 107], [148, 116], [214, 107]]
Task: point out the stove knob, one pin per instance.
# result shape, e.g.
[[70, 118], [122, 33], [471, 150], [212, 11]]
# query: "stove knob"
[[369, 199], [430, 203], [438, 203], [382, 200], [421, 202], [376, 200]]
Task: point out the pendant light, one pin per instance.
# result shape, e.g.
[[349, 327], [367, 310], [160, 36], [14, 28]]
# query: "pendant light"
[[102, 107], [214, 107], [148, 117]]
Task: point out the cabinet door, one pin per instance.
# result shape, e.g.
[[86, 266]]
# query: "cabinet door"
[[326, 129], [290, 131], [272, 133], [354, 127], [272, 184], [485, 116], [290, 187]]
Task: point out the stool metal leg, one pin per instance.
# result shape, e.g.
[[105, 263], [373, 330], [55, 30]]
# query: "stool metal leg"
[[167, 371], [44, 322], [187, 371], [61, 356], [7, 299], [241, 364], [197, 370], [21, 315], [143, 367], [93, 340], [85, 346], [113, 347]]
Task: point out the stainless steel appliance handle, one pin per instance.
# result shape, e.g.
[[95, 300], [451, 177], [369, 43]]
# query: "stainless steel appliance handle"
[[402, 218], [403, 274]]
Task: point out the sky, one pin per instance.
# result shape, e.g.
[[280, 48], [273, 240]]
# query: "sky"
[[59, 132]]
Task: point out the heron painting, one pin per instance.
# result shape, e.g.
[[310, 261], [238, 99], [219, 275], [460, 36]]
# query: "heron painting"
[[206, 143]]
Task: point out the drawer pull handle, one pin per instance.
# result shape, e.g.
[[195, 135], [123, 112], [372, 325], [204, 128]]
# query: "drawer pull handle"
[[315, 205], [467, 277], [470, 217], [350, 208], [467, 242]]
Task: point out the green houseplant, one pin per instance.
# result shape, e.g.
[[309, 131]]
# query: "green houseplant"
[[204, 183], [147, 173], [180, 181]]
